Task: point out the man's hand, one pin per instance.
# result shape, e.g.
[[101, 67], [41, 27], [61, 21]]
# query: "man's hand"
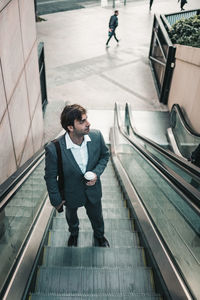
[[92, 182], [60, 206]]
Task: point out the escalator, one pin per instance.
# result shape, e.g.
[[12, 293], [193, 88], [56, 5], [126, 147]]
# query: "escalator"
[[183, 139], [152, 226], [88, 272], [185, 173]]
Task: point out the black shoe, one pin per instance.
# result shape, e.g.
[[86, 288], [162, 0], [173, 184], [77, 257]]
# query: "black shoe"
[[72, 241], [102, 242]]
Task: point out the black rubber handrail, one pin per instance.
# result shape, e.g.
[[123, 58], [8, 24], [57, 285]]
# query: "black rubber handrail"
[[186, 190], [16, 177], [184, 123], [179, 161]]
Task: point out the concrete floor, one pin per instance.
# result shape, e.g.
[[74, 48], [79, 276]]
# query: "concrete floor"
[[81, 70]]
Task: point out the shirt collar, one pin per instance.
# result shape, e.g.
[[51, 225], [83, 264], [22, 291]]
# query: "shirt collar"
[[70, 144]]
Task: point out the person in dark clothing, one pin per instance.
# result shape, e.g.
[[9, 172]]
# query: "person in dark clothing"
[[82, 150], [183, 2], [150, 4], [113, 23]]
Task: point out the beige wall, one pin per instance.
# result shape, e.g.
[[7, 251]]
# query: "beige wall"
[[21, 120], [185, 88]]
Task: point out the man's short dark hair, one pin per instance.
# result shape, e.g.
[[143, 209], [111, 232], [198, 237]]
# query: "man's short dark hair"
[[116, 11], [71, 113]]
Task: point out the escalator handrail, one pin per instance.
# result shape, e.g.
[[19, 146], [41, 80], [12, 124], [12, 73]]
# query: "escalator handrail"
[[16, 179], [10, 186], [173, 281], [194, 170], [187, 191], [186, 126]]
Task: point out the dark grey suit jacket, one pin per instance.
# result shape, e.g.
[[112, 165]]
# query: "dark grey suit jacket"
[[75, 190]]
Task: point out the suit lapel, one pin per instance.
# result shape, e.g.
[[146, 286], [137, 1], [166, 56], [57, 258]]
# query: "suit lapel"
[[69, 155]]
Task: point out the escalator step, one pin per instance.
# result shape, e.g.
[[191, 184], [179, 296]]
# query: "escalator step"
[[110, 213], [93, 257], [110, 224], [15, 211], [93, 280], [58, 238], [129, 296], [112, 204]]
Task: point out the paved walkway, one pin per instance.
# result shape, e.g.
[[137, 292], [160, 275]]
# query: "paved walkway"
[[81, 70]]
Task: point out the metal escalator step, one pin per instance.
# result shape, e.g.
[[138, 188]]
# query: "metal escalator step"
[[21, 211], [112, 204], [115, 196], [110, 224], [127, 296], [93, 257], [93, 280], [59, 238], [112, 189], [109, 180], [32, 193], [110, 213], [21, 202]]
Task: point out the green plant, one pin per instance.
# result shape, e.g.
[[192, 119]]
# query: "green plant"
[[186, 32]]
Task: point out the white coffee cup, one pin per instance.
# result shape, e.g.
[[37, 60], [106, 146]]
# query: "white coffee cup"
[[89, 175]]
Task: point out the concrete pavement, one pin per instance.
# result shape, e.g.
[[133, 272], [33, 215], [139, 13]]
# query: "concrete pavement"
[[81, 70]]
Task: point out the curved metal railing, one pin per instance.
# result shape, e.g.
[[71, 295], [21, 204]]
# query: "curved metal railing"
[[166, 204], [186, 138], [176, 159]]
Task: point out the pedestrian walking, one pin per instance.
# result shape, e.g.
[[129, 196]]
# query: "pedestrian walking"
[[150, 4], [81, 150], [182, 3], [113, 23]]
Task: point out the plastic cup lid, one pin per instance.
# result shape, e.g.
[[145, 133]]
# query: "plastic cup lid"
[[89, 175]]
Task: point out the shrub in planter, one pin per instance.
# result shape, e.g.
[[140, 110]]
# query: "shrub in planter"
[[186, 32]]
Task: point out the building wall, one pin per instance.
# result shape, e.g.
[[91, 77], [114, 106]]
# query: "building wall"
[[185, 87], [21, 119]]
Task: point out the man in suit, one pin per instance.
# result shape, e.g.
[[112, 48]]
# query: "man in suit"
[[113, 23], [82, 150]]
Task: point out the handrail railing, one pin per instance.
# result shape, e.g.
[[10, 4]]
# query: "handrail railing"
[[161, 56], [19, 176], [185, 137], [171, 19], [193, 195], [184, 123], [172, 278], [175, 158]]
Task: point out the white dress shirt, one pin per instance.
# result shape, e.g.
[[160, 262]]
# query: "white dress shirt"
[[80, 153]]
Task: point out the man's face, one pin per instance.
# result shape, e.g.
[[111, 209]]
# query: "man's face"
[[81, 127]]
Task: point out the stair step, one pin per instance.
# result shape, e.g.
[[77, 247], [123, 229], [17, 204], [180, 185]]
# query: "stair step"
[[93, 257], [107, 188], [114, 213], [115, 196], [113, 204], [59, 238], [21, 211], [127, 296], [110, 224], [30, 194], [93, 280]]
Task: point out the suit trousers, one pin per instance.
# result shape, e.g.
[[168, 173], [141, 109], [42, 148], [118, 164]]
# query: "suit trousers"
[[94, 212], [113, 34]]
